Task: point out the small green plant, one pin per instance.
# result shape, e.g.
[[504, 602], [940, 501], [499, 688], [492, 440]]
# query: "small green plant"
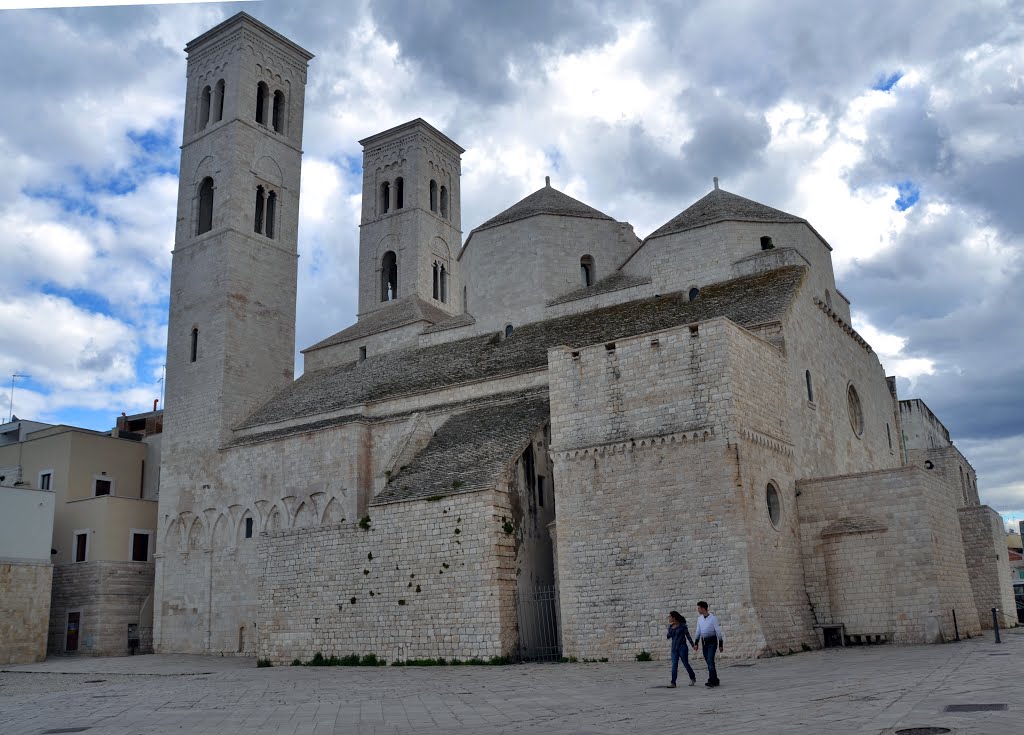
[[412, 576], [297, 662], [387, 474], [353, 601], [401, 602], [371, 660], [444, 564], [432, 499], [369, 557], [417, 588], [456, 484], [458, 520], [458, 531], [364, 523], [371, 593], [499, 661], [507, 526], [804, 647], [263, 663], [643, 656], [409, 585], [603, 660], [366, 571]]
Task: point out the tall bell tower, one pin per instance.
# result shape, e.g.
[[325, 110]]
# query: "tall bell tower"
[[231, 330], [410, 233]]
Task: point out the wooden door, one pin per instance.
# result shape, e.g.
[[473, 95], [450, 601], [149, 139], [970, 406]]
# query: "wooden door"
[[74, 619]]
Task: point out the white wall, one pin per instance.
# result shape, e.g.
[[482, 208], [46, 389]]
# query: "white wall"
[[26, 523]]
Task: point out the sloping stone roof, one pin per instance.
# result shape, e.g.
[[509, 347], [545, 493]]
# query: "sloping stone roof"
[[547, 200], [468, 452], [452, 322], [722, 206], [399, 314], [750, 300], [614, 282]]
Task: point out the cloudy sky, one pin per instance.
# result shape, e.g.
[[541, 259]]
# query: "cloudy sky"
[[897, 129]]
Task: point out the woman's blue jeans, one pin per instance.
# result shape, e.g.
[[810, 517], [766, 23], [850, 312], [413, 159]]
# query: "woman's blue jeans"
[[684, 655]]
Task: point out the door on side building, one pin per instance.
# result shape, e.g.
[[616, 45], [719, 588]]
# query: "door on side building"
[[71, 642]]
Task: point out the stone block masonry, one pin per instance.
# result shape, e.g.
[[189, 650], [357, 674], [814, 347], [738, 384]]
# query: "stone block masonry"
[[428, 578], [109, 596], [988, 564], [24, 610]]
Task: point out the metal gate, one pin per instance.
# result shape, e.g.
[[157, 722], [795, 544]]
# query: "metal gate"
[[539, 631]]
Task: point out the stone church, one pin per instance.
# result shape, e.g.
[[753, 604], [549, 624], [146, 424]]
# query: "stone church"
[[536, 440]]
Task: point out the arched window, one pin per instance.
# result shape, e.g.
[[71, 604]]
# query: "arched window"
[[399, 193], [279, 111], [194, 349], [694, 293], [218, 101], [262, 93], [508, 330], [205, 206], [385, 197], [271, 209], [257, 225], [204, 107], [766, 243], [444, 202], [437, 285], [389, 277], [855, 410], [465, 298], [774, 503], [444, 285], [433, 195], [810, 386], [587, 270]]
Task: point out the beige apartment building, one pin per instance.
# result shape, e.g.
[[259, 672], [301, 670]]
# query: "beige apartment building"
[[105, 489]]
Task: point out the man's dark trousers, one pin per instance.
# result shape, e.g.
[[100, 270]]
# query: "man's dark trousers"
[[710, 648]]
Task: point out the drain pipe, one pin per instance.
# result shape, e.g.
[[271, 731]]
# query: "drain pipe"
[[995, 623]]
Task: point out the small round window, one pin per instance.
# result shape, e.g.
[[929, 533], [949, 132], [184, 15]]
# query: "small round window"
[[774, 504], [856, 413]]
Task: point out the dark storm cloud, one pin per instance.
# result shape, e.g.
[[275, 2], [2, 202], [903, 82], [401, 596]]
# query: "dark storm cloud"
[[469, 47]]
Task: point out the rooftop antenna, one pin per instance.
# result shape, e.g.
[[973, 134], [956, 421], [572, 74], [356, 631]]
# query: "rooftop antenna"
[[716, 183], [15, 376]]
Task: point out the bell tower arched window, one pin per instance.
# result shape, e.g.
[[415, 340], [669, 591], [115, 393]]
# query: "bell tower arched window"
[[271, 211], [204, 107], [399, 193], [205, 223], [433, 196], [258, 220], [262, 93], [437, 278], [444, 285], [444, 202], [389, 277], [385, 197], [587, 270], [218, 101]]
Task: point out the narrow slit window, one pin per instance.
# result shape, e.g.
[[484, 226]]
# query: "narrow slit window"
[[587, 270], [385, 197], [437, 287], [444, 202], [194, 349], [279, 111], [248, 527], [389, 277], [81, 546], [444, 285], [271, 212], [205, 223], [262, 92], [433, 196], [204, 107], [810, 386], [399, 193], [218, 101], [257, 225]]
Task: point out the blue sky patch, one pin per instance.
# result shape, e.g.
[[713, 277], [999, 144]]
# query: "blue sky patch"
[[885, 83], [909, 194]]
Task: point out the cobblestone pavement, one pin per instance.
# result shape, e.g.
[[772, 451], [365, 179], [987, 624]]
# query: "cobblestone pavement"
[[856, 690]]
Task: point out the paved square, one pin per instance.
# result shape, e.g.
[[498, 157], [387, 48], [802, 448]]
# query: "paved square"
[[856, 690]]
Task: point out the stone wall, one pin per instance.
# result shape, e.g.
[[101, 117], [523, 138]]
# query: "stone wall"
[[883, 554], [988, 564], [24, 610], [109, 596], [427, 579]]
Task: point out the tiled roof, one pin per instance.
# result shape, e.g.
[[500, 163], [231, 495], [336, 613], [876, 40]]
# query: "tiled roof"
[[547, 200], [469, 451], [452, 322], [722, 206], [400, 313], [614, 282], [755, 299]]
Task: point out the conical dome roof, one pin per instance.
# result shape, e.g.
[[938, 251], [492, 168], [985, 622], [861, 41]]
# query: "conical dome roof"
[[722, 206], [547, 200]]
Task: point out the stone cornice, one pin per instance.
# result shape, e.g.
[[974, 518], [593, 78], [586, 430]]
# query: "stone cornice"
[[765, 440], [842, 324], [701, 434]]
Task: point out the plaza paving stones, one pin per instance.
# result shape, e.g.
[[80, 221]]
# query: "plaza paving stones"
[[855, 690]]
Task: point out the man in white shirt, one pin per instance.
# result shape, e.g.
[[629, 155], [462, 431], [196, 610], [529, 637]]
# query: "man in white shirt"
[[710, 636]]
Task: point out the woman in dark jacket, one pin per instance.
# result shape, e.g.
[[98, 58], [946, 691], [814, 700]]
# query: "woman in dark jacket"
[[679, 634]]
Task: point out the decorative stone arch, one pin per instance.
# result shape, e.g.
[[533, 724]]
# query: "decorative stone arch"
[[172, 537], [588, 272], [275, 520], [389, 276], [305, 516], [221, 536], [197, 535], [208, 167], [332, 513], [269, 170]]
